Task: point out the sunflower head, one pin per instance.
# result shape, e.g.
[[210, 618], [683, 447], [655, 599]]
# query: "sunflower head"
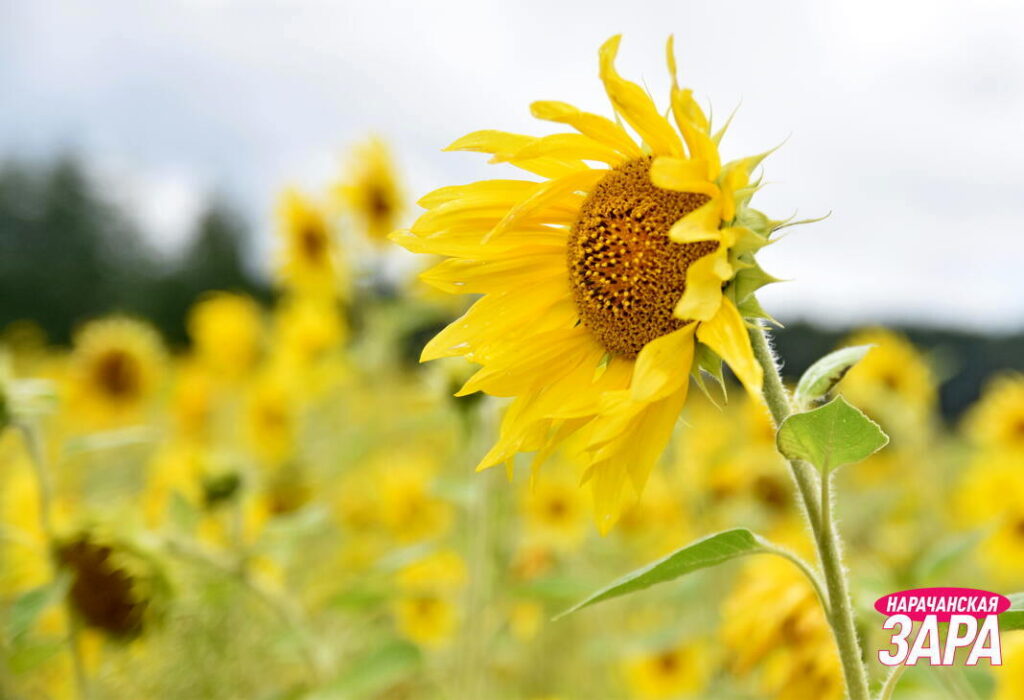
[[113, 589], [227, 333], [604, 285], [997, 420], [668, 672], [310, 260], [117, 366], [372, 192]]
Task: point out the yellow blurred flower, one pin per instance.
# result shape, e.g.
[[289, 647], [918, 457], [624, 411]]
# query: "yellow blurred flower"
[[1010, 676], [555, 511], [24, 560], [996, 421], [371, 191], [111, 587], [174, 469], [117, 366], [893, 382], [409, 510], [309, 259], [271, 418], [992, 493], [307, 330], [773, 619], [193, 399], [669, 673], [426, 609], [227, 332]]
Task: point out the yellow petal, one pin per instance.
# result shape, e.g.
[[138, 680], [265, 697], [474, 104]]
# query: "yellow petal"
[[703, 294], [663, 365], [595, 126], [503, 143], [636, 106], [683, 175], [701, 224], [574, 146], [726, 334], [547, 194]]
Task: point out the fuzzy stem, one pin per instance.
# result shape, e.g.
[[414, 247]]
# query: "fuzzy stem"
[[44, 485], [890, 683], [818, 510]]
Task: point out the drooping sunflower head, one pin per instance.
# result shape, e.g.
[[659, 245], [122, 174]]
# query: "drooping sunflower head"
[[372, 191], [627, 267], [117, 366], [310, 260], [112, 588]]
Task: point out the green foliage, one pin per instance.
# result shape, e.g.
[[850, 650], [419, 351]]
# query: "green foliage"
[[26, 609], [710, 551], [830, 436], [68, 253], [821, 377], [1013, 619]]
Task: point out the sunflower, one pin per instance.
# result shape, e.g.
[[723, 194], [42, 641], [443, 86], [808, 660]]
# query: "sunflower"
[[605, 285], [310, 261], [372, 192], [668, 672], [773, 621], [113, 589], [997, 420], [227, 333], [117, 366]]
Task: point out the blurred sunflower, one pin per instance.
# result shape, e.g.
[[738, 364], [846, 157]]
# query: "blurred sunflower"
[[271, 418], [668, 673], [894, 381], [772, 619], [226, 331], [992, 494], [604, 287], [309, 261], [1010, 676], [426, 609], [554, 512], [997, 420], [117, 365], [372, 192], [113, 590]]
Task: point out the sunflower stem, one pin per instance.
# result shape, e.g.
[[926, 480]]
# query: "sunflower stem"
[[44, 485], [818, 510]]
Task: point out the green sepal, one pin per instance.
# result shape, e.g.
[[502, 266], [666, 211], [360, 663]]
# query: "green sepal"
[[751, 308], [750, 279], [706, 363]]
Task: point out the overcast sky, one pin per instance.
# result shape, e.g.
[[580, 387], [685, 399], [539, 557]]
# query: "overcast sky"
[[906, 120]]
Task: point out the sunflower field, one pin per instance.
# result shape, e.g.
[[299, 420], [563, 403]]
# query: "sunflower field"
[[551, 457]]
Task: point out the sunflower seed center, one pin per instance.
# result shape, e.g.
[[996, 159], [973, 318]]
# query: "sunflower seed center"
[[626, 274]]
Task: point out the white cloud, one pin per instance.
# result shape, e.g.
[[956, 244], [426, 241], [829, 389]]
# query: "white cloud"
[[906, 118]]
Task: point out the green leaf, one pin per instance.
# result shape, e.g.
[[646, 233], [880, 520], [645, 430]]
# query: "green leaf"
[[830, 436], [1013, 619], [710, 551], [823, 375], [26, 609], [373, 673]]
